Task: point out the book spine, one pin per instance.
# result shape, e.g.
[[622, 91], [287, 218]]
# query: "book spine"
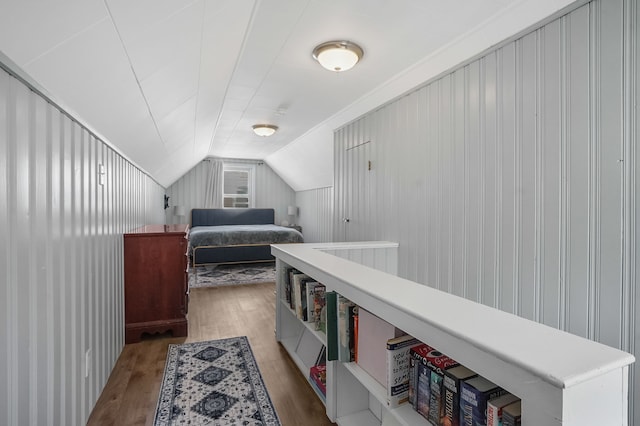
[[473, 404], [493, 415], [398, 356], [435, 398], [451, 401], [424, 390], [332, 325], [345, 324]]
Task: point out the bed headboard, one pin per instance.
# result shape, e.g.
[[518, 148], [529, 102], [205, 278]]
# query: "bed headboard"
[[212, 217]]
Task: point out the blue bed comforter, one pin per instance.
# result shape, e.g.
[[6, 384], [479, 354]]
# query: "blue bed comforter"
[[231, 235]]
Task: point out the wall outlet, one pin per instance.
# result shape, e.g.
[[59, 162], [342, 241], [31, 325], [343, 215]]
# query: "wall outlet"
[[87, 363]]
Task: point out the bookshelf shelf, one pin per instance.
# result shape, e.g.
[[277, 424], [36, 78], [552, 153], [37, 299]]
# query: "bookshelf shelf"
[[562, 379], [361, 418], [375, 389]]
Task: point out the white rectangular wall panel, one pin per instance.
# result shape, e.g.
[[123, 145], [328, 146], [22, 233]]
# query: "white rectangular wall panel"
[[511, 180], [67, 198], [315, 209]]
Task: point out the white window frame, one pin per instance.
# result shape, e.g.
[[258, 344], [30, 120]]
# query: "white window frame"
[[241, 167]]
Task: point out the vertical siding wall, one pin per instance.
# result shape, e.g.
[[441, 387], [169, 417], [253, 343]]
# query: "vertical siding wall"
[[316, 214], [61, 265], [512, 180], [271, 190]]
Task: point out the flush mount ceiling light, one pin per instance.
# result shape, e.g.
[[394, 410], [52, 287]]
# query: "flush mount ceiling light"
[[264, 129], [338, 56]]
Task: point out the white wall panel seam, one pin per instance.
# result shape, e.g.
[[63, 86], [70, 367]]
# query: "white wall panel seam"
[[481, 105], [539, 180], [517, 303], [629, 235], [499, 180], [564, 164], [594, 170]]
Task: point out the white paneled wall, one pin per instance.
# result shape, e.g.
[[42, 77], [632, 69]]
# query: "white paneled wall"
[[271, 190], [512, 180], [61, 265], [316, 214]]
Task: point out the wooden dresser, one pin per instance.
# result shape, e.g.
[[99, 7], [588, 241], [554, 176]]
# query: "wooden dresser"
[[155, 281]]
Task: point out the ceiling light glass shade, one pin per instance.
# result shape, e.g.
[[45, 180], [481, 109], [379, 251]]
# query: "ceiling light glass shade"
[[264, 129], [338, 56]]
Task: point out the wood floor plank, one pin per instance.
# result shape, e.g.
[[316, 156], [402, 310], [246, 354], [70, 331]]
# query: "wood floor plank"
[[131, 394]]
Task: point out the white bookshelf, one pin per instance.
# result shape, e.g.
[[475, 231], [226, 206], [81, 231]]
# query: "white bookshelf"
[[561, 378]]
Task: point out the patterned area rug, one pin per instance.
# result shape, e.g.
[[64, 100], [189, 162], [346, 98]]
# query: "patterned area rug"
[[213, 383], [241, 273]]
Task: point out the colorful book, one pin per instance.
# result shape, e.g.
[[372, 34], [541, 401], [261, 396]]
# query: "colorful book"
[[475, 393], [398, 369], [309, 303], [453, 377], [345, 309], [495, 406], [512, 414], [318, 377], [416, 356], [439, 363], [423, 390], [318, 306]]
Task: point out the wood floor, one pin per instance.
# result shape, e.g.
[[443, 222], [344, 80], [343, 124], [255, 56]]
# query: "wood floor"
[[131, 394]]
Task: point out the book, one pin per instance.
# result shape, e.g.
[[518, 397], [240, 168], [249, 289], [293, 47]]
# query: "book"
[[451, 392], [345, 309], [373, 333], [297, 281], [318, 306], [287, 285], [331, 319], [512, 414], [318, 378], [308, 308], [439, 363], [423, 390], [398, 369], [475, 393], [495, 406], [416, 355], [291, 273]]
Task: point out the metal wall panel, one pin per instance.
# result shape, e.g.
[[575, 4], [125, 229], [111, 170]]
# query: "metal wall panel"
[[60, 258], [271, 191], [316, 214], [512, 179]]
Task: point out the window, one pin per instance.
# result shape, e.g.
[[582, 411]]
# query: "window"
[[237, 184]]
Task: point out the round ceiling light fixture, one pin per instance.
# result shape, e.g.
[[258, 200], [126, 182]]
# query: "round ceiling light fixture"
[[338, 56], [264, 129]]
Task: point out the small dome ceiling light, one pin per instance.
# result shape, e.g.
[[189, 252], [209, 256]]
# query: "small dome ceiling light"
[[264, 129], [338, 56]]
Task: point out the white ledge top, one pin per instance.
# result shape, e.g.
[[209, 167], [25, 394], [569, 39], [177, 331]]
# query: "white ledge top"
[[572, 360]]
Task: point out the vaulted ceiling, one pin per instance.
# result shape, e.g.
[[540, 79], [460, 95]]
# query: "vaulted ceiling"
[[170, 82]]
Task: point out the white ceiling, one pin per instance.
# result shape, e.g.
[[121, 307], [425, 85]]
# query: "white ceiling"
[[169, 82]]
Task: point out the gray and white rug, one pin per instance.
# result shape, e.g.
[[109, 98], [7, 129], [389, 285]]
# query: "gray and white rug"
[[241, 273], [214, 383]]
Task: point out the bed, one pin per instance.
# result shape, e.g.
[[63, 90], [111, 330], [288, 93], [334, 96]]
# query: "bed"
[[236, 235]]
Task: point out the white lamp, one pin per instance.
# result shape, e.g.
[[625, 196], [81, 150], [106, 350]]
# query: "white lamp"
[[338, 56], [179, 212], [292, 210], [264, 129]]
